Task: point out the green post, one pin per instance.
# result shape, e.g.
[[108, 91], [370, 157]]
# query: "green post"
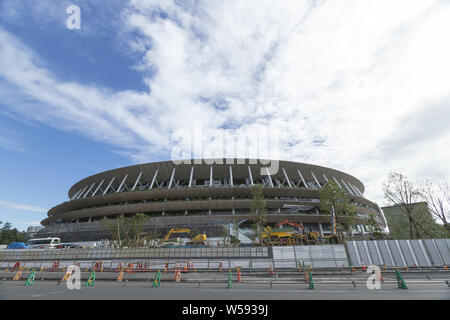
[[229, 279], [157, 279], [311, 283], [30, 279], [250, 265], [91, 280], [400, 282]]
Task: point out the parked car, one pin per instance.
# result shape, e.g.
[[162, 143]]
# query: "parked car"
[[68, 246], [17, 245]]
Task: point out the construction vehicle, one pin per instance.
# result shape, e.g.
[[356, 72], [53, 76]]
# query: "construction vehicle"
[[299, 233], [278, 233], [308, 237], [199, 239]]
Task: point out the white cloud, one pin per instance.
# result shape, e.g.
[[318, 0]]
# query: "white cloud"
[[347, 83], [20, 206]]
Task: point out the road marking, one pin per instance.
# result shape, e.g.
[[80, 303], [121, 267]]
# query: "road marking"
[[271, 290], [317, 291], [46, 294], [430, 291]]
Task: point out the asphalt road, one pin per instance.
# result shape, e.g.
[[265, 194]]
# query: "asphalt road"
[[134, 290]]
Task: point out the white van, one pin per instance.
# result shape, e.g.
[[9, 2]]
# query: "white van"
[[43, 243]]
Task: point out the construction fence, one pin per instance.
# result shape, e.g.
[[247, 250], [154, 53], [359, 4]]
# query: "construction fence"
[[392, 253], [288, 257], [400, 253]]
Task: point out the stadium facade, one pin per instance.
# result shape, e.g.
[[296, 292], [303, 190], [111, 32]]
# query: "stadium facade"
[[204, 195]]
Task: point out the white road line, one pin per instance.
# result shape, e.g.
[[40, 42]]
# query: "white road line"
[[271, 290], [46, 294], [430, 291], [319, 291]]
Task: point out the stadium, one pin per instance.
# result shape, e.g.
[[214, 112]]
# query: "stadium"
[[203, 195]]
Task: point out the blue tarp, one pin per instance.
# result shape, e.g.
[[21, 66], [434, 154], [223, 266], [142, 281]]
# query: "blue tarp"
[[17, 245]]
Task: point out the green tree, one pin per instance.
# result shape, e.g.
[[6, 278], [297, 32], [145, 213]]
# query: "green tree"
[[9, 234], [259, 211], [225, 234], [234, 236], [403, 194], [424, 226], [438, 200], [374, 228], [126, 231], [335, 202]]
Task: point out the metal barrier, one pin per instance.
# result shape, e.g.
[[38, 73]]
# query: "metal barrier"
[[207, 258], [133, 253], [400, 253], [391, 253]]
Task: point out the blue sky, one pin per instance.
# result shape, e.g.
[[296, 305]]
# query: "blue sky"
[[35, 156], [357, 86]]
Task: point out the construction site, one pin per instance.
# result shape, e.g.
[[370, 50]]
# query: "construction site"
[[284, 272], [201, 236]]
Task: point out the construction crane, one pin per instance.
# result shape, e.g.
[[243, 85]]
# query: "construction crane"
[[285, 222]]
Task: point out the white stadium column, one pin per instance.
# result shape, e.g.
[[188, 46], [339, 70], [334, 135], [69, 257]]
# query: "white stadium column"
[[171, 178], [269, 177], [137, 181], [87, 192], [337, 182], [121, 184], [359, 192], [154, 178], [109, 185], [315, 179], [98, 187], [303, 180], [347, 187], [210, 176], [231, 176], [76, 194], [355, 190], [84, 189], [191, 176], [287, 178], [250, 175]]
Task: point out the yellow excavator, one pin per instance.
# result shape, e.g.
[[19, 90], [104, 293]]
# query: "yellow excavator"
[[199, 239], [274, 234], [290, 235]]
